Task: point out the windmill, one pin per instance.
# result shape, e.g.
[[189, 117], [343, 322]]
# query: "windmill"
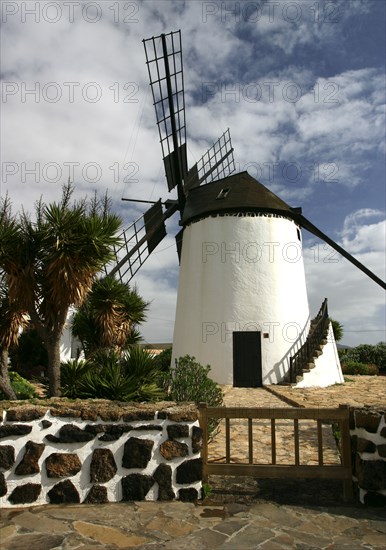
[[242, 303]]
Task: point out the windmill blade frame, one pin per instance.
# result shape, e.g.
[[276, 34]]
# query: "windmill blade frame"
[[139, 240], [165, 68], [218, 162], [306, 224]]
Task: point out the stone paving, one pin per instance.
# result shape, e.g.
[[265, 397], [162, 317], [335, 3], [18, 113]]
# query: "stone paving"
[[180, 526], [357, 391], [240, 514]]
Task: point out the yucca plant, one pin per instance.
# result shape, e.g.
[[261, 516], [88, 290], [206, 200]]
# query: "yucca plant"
[[132, 377], [72, 374]]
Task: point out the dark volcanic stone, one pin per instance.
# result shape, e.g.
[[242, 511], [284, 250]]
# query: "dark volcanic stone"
[[163, 476], [177, 430], [136, 487], [197, 441], [372, 475], [72, 434], [110, 432], [95, 429], [188, 495], [25, 415], [14, 429], [52, 438], [170, 449], [63, 492], [138, 415], [3, 485], [7, 456], [189, 471], [382, 450], [372, 498], [29, 462], [365, 446], [62, 464], [149, 428], [367, 419], [46, 424], [24, 494], [383, 431], [103, 466], [96, 495], [137, 452]]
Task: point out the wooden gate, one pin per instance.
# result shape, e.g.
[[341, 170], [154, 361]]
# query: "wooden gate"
[[321, 470]]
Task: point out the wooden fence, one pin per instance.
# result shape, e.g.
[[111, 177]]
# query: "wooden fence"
[[338, 416]]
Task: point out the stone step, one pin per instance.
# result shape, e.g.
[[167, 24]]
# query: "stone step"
[[317, 353]]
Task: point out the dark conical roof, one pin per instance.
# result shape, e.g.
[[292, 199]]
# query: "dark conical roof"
[[237, 193]]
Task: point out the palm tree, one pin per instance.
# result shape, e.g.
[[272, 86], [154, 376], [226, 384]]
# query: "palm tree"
[[11, 321], [337, 329], [50, 263], [109, 317]]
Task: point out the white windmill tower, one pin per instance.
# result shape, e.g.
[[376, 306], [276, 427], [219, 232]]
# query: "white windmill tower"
[[242, 302]]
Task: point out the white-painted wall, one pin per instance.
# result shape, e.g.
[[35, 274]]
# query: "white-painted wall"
[[70, 347], [84, 450], [327, 370], [241, 273]]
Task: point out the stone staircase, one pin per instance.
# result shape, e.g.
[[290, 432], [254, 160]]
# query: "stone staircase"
[[304, 359]]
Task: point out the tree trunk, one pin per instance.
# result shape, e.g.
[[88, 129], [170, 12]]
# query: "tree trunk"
[[53, 351], [5, 383]]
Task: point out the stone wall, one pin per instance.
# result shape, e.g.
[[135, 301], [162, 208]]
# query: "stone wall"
[[368, 445], [96, 452]]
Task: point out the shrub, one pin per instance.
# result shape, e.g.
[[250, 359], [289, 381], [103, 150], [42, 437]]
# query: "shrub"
[[21, 386], [355, 367], [368, 354], [189, 381]]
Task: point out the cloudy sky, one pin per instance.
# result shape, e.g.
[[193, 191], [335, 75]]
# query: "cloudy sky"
[[300, 84]]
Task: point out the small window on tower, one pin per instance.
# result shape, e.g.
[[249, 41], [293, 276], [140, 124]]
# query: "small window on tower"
[[298, 233], [223, 193]]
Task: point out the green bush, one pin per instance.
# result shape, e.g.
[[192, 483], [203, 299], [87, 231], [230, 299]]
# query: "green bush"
[[21, 386], [368, 354], [355, 367], [190, 382]]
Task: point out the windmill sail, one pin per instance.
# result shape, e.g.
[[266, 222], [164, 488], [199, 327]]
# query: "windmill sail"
[[217, 163], [318, 233], [164, 63], [138, 242]]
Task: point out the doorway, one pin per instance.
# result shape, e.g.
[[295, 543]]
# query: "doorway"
[[247, 367]]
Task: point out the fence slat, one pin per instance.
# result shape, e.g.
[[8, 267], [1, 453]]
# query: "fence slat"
[[250, 441], [273, 440], [227, 441], [320, 442], [296, 441]]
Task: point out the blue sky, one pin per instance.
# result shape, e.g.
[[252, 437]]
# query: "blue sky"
[[300, 84]]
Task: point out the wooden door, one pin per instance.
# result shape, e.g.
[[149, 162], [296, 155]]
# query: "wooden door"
[[247, 368]]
